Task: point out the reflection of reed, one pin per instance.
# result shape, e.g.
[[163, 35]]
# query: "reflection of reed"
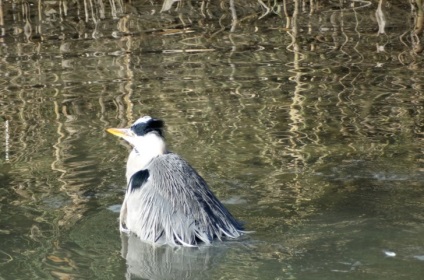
[[182, 65], [88, 19], [64, 154], [2, 28], [55, 167]]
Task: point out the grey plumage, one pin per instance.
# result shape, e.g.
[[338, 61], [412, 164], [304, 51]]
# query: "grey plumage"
[[167, 201]]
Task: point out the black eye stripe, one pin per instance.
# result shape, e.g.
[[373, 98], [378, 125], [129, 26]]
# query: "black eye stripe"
[[141, 129]]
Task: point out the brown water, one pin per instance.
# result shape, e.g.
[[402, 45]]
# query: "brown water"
[[308, 128]]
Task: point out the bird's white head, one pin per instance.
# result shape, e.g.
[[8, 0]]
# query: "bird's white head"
[[146, 136]]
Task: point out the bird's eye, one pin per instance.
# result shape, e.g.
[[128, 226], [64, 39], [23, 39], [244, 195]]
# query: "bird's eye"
[[139, 129]]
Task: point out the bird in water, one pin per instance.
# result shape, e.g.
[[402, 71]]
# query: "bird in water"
[[167, 201]]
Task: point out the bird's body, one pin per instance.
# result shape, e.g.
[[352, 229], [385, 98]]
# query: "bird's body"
[[167, 201]]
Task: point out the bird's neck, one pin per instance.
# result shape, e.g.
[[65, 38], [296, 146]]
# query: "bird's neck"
[[147, 148]]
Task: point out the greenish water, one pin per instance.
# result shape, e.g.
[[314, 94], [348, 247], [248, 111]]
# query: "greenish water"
[[310, 133]]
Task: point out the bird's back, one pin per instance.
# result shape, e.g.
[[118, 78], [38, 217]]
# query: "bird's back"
[[169, 202]]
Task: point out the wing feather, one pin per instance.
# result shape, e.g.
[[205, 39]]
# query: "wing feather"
[[173, 204]]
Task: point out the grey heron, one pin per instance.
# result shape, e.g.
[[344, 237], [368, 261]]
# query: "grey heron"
[[167, 201]]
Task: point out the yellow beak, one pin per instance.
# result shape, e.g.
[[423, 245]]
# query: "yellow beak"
[[120, 132]]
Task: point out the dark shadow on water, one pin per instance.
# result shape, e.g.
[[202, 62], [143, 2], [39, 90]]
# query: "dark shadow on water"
[[146, 261]]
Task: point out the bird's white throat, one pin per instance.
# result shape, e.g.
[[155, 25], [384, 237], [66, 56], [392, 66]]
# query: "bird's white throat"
[[145, 149]]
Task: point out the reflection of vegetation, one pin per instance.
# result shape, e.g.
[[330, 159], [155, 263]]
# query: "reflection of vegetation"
[[44, 20], [50, 37]]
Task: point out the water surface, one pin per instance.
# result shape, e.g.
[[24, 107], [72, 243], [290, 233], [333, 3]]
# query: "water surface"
[[307, 125]]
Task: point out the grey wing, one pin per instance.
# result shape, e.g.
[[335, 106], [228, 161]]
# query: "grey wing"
[[144, 207], [176, 206]]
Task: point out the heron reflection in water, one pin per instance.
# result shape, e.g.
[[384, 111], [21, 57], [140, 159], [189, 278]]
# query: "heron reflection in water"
[[167, 201]]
